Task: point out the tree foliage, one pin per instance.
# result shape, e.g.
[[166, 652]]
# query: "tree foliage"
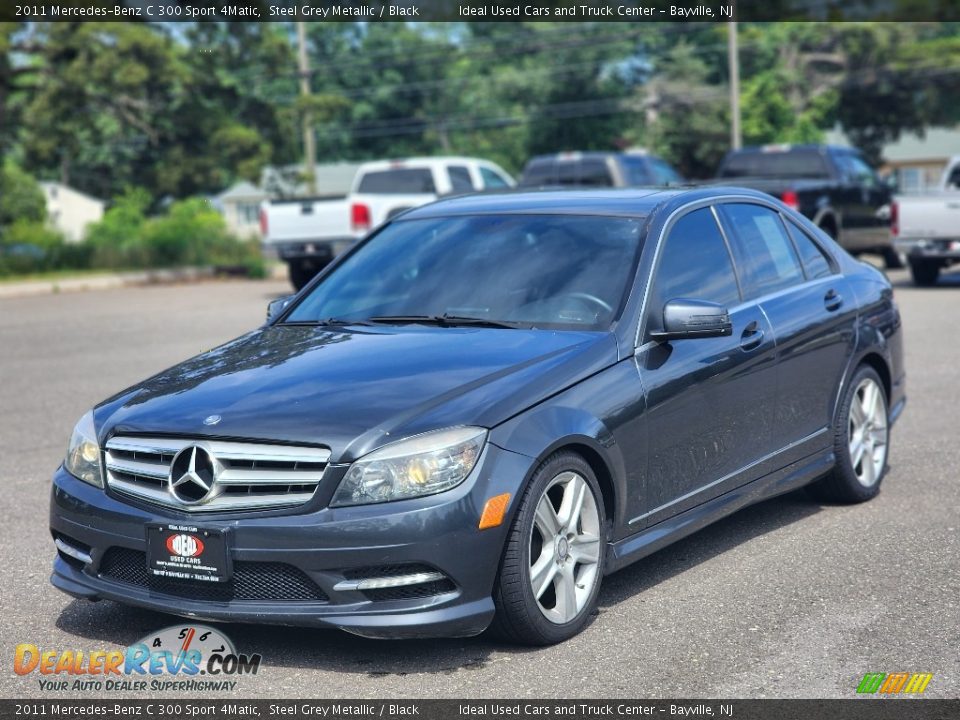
[[189, 108]]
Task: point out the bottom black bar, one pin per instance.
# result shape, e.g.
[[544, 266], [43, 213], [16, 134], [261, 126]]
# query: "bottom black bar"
[[900, 708]]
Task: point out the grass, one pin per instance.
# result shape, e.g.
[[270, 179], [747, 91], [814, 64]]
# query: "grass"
[[59, 275]]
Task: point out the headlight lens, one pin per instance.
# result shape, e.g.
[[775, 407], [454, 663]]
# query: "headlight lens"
[[421, 465], [83, 453]]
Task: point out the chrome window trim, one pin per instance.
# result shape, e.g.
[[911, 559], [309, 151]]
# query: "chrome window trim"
[[710, 202]]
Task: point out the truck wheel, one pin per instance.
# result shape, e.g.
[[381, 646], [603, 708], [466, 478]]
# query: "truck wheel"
[[861, 442], [301, 274], [892, 259], [924, 272]]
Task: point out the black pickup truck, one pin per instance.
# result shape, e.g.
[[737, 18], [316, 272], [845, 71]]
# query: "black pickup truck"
[[833, 186]]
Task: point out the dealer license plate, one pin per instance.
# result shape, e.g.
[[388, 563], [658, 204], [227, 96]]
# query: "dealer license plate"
[[185, 552]]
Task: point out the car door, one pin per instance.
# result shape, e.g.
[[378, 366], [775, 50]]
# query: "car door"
[[709, 400], [812, 311], [864, 222]]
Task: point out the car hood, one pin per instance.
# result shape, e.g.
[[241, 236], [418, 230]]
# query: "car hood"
[[353, 390]]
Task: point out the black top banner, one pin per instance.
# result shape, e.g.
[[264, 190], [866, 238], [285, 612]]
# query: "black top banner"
[[481, 10]]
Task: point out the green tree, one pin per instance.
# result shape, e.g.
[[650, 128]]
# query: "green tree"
[[20, 196], [689, 120]]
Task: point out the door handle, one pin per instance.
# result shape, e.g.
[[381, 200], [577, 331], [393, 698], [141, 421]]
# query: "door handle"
[[751, 337], [832, 300]]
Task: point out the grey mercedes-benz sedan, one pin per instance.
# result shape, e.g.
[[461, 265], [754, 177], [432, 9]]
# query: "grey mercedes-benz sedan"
[[483, 408]]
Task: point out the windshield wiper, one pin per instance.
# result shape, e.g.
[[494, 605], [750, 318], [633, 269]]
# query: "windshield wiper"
[[328, 322], [447, 320]]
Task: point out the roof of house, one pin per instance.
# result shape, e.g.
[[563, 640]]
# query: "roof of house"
[[936, 144], [46, 185], [242, 190]]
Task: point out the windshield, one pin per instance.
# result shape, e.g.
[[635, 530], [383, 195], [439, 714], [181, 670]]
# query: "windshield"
[[555, 271]]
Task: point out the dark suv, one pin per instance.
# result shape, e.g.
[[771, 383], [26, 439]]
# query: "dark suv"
[[598, 169]]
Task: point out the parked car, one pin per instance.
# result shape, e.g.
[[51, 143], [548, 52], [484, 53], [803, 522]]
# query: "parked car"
[[308, 233], [633, 168], [833, 186], [926, 228], [484, 407]]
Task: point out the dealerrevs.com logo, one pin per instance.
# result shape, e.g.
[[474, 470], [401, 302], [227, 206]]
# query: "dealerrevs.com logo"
[[187, 658]]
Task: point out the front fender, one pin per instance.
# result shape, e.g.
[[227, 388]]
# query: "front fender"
[[543, 430]]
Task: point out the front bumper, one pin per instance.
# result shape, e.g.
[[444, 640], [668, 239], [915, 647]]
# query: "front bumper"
[[323, 250], [929, 249], [295, 560]]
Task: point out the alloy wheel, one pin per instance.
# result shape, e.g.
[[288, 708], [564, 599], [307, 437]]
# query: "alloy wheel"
[[564, 548], [867, 433]]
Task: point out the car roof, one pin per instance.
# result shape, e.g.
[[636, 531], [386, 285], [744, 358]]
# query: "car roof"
[[590, 154], [419, 162], [623, 202], [773, 148]]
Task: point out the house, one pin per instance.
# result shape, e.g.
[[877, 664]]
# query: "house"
[[70, 211], [917, 161], [240, 206]]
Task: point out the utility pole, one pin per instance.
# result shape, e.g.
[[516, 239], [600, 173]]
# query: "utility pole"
[[309, 143], [733, 60]]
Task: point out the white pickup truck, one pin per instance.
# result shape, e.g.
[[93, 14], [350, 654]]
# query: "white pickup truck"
[[926, 228], [307, 233]]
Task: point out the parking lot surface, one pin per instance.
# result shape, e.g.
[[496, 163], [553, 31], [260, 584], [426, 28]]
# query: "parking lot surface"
[[785, 599]]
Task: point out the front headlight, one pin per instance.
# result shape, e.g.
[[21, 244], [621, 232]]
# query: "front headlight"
[[422, 465], [83, 453]]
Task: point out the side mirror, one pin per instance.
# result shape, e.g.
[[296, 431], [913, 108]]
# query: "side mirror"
[[275, 307], [684, 319]]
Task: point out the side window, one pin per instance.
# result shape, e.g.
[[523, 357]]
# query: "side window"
[[858, 171], [591, 172], [953, 181], [815, 263], [663, 174], [694, 264], [459, 178], [765, 256], [492, 179], [635, 169]]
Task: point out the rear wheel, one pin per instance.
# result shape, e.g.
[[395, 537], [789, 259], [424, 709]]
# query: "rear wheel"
[[861, 441], [553, 561], [925, 272], [302, 272]]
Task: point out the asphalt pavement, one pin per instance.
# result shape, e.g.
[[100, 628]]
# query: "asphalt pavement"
[[786, 599]]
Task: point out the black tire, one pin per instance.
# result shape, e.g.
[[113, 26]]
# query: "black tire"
[[845, 484], [892, 259], [519, 618], [301, 274], [925, 273]]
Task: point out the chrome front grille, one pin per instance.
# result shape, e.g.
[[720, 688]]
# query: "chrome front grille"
[[244, 475]]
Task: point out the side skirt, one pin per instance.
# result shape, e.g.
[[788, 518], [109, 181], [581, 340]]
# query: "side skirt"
[[648, 541]]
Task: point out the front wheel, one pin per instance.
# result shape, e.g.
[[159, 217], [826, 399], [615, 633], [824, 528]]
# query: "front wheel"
[[861, 441], [554, 557], [302, 272], [892, 260]]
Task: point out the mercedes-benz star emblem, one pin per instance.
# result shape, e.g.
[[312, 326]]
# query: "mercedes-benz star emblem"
[[192, 475]]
